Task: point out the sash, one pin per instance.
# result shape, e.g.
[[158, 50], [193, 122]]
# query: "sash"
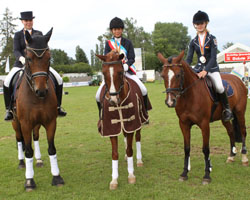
[[114, 45]]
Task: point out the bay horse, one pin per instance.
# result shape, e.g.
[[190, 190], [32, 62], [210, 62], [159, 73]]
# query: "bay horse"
[[36, 105], [188, 94], [116, 98]]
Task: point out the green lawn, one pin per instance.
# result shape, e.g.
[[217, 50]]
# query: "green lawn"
[[84, 157]]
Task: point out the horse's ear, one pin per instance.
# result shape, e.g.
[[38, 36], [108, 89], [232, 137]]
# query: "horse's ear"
[[180, 57], [28, 37], [121, 56], [48, 35], [161, 58], [101, 57]]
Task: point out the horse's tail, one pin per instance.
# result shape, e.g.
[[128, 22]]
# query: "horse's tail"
[[237, 132]]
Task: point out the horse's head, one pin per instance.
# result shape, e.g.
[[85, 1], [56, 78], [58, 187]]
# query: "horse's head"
[[113, 72], [37, 62], [173, 76]]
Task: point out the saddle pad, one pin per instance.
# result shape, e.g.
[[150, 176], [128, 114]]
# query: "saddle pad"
[[212, 92]]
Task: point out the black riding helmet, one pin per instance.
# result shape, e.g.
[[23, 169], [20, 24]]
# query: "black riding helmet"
[[116, 23], [200, 17]]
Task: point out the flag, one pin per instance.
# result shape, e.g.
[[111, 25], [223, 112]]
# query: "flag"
[[7, 67]]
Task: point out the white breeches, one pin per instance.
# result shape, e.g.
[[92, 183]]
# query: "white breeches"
[[217, 81], [133, 77], [14, 70]]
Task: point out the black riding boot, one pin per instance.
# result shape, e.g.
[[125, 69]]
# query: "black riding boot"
[[59, 90], [227, 114], [99, 108], [7, 101]]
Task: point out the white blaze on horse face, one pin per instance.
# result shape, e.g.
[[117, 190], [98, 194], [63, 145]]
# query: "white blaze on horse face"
[[112, 86], [170, 76]]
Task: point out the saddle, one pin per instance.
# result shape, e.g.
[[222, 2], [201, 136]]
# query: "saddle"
[[213, 94], [212, 91]]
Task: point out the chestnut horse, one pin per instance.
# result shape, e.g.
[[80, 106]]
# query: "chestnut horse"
[[188, 94], [36, 105], [116, 90]]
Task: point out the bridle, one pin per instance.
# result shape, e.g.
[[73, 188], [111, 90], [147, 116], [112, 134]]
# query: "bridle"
[[29, 76], [122, 83], [177, 92]]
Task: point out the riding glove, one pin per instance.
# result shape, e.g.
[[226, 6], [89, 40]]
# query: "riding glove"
[[22, 60]]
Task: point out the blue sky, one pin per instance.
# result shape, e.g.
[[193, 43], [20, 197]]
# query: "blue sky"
[[80, 22]]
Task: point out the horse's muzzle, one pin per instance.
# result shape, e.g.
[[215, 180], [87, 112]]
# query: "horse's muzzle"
[[41, 93], [170, 103]]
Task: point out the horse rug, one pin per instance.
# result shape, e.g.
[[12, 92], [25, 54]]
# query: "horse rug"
[[128, 116]]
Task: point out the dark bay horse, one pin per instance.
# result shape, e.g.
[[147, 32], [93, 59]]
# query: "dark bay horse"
[[117, 98], [36, 105], [188, 94]]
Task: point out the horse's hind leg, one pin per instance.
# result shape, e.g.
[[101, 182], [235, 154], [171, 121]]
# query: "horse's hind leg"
[[241, 122], [230, 133], [114, 183], [131, 176], [57, 179], [125, 145], [39, 162], [138, 148]]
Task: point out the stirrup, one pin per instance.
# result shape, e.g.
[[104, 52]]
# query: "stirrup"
[[227, 115], [61, 113], [8, 116]]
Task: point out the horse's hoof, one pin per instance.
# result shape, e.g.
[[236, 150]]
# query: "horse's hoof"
[[183, 178], [21, 164], [230, 160], [57, 181], [245, 164], [39, 163], [131, 179], [206, 181], [139, 163], [113, 184], [29, 185]]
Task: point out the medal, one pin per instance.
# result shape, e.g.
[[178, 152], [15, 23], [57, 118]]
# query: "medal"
[[202, 59]]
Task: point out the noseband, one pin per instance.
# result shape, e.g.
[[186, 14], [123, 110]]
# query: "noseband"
[[30, 77], [122, 84]]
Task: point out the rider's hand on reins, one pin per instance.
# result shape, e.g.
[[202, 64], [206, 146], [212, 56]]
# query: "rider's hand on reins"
[[202, 74]]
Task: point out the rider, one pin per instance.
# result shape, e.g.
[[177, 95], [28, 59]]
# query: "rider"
[[205, 46], [116, 27], [19, 47]]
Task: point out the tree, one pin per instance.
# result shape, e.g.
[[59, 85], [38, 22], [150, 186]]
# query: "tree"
[[7, 30], [59, 57], [80, 55], [227, 45], [170, 38]]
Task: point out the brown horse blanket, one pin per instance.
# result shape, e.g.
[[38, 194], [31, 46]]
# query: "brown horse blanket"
[[128, 116]]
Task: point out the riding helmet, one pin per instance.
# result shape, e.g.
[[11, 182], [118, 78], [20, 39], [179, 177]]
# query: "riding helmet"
[[116, 23], [200, 17]]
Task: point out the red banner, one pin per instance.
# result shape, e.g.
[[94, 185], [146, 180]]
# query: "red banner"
[[237, 57]]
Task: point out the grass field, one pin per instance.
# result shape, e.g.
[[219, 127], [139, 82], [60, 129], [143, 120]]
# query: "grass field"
[[84, 157]]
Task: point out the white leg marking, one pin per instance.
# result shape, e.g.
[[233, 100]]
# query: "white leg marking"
[[189, 164], [114, 169], [54, 165], [29, 168], [138, 151], [20, 151], [37, 150]]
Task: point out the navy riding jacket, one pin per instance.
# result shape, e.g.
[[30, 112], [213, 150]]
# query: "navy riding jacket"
[[210, 53], [19, 46], [127, 44]]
